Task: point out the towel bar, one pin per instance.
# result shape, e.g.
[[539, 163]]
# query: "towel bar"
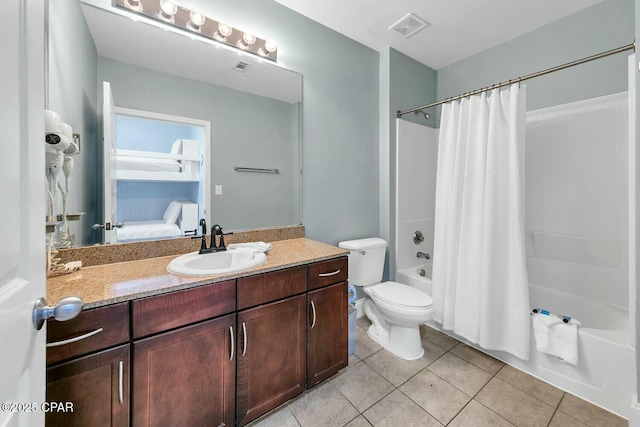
[[565, 319], [260, 170]]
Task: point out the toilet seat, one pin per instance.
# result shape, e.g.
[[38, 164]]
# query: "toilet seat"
[[401, 295]]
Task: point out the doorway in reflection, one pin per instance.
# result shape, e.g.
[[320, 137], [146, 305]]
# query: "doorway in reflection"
[[160, 178]]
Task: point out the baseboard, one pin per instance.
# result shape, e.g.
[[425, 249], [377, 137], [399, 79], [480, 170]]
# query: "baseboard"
[[634, 413]]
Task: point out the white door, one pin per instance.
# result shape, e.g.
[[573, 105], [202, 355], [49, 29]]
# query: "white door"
[[109, 180], [22, 217]]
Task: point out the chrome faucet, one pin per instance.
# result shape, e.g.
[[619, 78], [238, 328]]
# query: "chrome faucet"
[[423, 255]]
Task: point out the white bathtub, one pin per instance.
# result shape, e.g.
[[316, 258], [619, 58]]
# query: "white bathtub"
[[605, 374]]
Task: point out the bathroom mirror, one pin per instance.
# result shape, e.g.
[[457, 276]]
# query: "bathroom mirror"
[[252, 106]]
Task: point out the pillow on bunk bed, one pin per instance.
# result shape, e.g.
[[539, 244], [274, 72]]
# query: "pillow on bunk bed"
[[172, 213]]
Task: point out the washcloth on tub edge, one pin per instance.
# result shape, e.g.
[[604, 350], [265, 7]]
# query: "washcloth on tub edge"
[[556, 338]]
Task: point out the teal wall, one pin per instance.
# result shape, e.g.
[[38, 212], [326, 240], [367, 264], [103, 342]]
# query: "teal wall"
[[339, 115], [72, 65], [604, 26]]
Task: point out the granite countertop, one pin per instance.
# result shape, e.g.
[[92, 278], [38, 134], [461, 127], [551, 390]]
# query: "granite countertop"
[[111, 283]]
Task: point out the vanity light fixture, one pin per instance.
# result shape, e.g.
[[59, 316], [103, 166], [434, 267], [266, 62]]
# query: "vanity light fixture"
[[169, 12]]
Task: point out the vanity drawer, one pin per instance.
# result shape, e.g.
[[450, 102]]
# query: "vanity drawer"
[[163, 312], [263, 288], [101, 328], [326, 273]]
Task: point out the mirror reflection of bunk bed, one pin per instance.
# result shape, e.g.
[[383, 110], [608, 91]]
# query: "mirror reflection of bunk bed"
[[160, 185]]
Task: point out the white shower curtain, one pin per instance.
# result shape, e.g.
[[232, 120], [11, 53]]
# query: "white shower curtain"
[[480, 287]]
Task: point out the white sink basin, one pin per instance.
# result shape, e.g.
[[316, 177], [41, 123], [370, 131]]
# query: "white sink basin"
[[229, 261]]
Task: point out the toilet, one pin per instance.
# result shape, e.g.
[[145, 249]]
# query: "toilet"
[[396, 310]]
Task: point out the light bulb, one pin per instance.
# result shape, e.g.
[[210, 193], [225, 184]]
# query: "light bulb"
[[169, 8], [197, 19], [270, 46], [247, 40], [135, 5], [224, 31]]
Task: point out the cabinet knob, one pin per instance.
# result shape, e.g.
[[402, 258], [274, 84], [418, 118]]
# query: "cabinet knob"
[[66, 309]]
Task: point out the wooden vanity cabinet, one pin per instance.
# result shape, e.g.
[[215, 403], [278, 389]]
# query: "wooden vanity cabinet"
[[327, 328], [271, 341], [216, 355], [186, 377], [96, 384], [184, 357]]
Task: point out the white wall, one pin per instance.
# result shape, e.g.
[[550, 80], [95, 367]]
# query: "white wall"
[[416, 161], [577, 198]]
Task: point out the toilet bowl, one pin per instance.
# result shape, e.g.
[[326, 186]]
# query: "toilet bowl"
[[396, 311]]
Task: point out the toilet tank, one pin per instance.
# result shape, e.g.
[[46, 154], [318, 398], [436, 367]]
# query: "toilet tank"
[[366, 260]]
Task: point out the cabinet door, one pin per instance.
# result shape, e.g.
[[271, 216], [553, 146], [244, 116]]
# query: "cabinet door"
[[327, 334], [271, 359], [96, 385], [186, 377]]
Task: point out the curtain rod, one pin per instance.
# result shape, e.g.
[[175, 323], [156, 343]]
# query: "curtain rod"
[[399, 114]]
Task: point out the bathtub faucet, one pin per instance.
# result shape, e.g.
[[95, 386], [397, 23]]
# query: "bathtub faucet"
[[423, 255]]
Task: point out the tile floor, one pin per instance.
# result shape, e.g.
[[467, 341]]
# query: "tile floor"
[[451, 385]]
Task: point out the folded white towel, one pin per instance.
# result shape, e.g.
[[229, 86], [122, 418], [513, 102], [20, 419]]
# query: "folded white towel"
[[259, 246], [241, 255], [556, 338]]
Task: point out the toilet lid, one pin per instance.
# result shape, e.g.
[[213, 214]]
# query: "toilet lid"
[[399, 294]]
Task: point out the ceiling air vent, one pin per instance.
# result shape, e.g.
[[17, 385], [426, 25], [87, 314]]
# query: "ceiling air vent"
[[240, 67], [409, 25]]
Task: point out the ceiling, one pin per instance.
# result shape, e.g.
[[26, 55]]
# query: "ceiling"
[[458, 28]]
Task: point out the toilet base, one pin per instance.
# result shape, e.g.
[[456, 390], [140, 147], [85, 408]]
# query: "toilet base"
[[404, 342]]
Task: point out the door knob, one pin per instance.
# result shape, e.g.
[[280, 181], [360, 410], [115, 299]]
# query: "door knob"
[[66, 309]]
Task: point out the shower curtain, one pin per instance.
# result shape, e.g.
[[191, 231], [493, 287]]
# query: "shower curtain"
[[480, 287]]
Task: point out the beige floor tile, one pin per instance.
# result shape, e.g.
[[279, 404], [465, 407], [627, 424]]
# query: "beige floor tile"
[[392, 368], [561, 419], [460, 373], [365, 346], [514, 404], [437, 337], [478, 358], [362, 386], [476, 415], [322, 406], [398, 410], [531, 385], [589, 414], [363, 322], [359, 422], [353, 359], [435, 395], [432, 352], [278, 418]]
